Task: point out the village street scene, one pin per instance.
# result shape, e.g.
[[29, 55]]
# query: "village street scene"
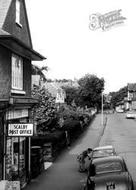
[[75, 130]]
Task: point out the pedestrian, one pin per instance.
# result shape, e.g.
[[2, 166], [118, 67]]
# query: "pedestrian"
[[67, 139], [81, 159]]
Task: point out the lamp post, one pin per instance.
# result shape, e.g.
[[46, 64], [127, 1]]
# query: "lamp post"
[[102, 109]]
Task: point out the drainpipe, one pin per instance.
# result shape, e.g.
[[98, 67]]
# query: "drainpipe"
[[4, 147], [102, 109]]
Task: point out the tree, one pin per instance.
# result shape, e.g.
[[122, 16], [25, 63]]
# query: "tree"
[[90, 90], [44, 112], [71, 94], [118, 96]]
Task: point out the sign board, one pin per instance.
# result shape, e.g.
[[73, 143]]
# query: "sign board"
[[20, 129], [35, 80], [3, 185], [15, 114], [13, 185], [60, 96], [9, 185]]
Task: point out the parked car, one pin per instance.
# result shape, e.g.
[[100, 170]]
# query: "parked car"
[[108, 173], [131, 115], [103, 151], [99, 152], [119, 110]]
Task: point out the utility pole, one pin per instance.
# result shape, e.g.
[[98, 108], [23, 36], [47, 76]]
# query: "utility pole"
[[102, 108]]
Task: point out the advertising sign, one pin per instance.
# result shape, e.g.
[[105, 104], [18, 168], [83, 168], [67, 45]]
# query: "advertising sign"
[[9, 185], [15, 114], [20, 129], [13, 185]]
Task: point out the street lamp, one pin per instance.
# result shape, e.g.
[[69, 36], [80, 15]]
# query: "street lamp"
[[102, 109]]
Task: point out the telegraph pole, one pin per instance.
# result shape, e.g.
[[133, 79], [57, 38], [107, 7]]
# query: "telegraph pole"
[[102, 108]]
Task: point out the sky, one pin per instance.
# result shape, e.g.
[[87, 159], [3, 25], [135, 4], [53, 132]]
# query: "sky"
[[60, 32]]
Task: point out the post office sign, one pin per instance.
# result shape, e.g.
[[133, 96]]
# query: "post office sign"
[[20, 129]]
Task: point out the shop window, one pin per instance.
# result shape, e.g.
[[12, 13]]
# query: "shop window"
[[19, 154], [15, 161], [17, 72]]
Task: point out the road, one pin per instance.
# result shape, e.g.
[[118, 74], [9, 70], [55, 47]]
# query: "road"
[[121, 133], [64, 175]]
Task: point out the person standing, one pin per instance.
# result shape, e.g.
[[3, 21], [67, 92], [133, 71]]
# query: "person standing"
[[67, 139], [81, 158]]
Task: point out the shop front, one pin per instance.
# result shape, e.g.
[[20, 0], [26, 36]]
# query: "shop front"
[[18, 145]]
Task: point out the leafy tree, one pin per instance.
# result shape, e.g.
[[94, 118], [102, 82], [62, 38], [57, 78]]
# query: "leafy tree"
[[44, 112], [71, 94], [90, 90], [118, 96]]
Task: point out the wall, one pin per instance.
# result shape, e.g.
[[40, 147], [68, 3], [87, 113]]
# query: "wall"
[[27, 77], [5, 72]]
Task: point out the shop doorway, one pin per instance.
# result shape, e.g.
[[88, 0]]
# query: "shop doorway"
[[17, 156], [17, 159]]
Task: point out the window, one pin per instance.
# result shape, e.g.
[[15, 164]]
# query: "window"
[[17, 72], [18, 11], [108, 167]]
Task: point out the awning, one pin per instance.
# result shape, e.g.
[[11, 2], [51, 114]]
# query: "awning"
[[17, 46]]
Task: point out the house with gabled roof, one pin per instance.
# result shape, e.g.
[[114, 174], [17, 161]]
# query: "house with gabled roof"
[[16, 122], [132, 96]]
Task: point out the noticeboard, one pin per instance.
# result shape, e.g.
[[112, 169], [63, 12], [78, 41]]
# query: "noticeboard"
[[17, 113]]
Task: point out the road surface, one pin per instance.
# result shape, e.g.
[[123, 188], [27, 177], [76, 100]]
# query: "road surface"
[[121, 133]]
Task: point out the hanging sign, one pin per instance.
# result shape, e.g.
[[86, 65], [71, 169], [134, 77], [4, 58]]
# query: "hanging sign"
[[20, 129]]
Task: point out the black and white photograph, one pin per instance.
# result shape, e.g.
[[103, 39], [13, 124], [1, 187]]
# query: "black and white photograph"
[[67, 95]]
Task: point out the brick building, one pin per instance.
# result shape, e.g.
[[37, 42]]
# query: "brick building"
[[16, 54]]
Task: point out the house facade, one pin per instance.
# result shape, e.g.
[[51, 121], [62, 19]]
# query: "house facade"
[[16, 103], [132, 96]]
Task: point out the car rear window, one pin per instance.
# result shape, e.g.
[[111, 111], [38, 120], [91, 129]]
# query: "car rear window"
[[101, 153], [108, 167]]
